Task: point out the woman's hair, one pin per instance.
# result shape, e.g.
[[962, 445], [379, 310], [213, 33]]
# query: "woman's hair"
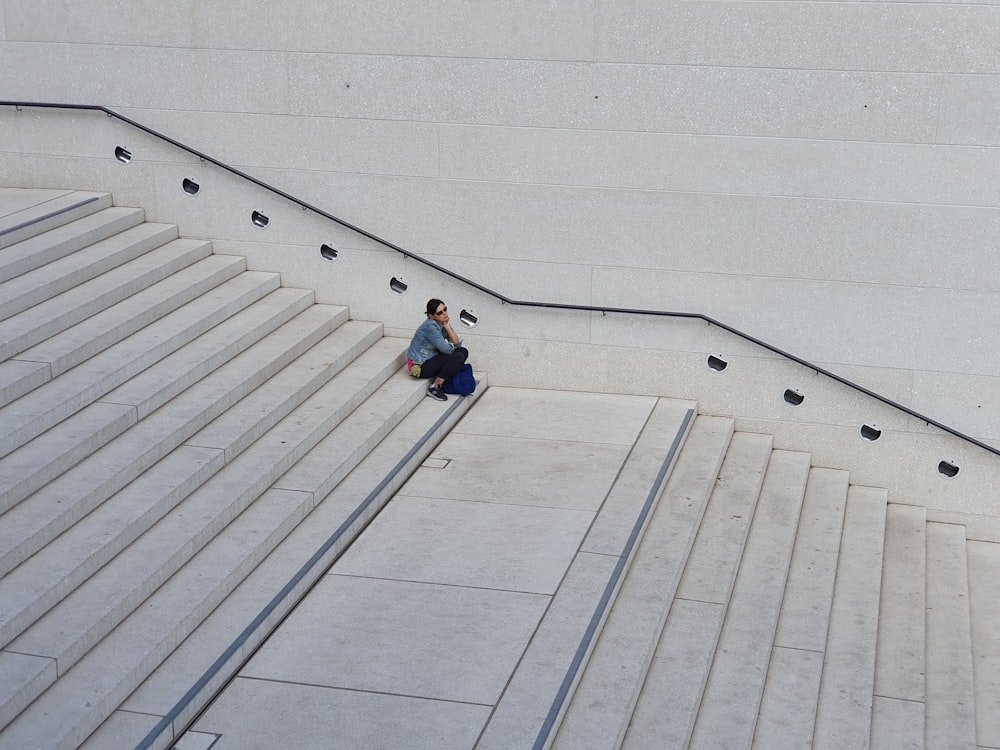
[[432, 306]]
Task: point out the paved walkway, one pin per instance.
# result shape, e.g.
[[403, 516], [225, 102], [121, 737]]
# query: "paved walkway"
[[412, 637]]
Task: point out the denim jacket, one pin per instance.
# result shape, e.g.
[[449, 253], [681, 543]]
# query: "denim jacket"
[[428, 341]]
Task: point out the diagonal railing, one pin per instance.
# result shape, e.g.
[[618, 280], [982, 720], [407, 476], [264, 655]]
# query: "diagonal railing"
[[499, 296]]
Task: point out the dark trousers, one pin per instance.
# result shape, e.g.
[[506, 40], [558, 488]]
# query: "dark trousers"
[[444, 365]]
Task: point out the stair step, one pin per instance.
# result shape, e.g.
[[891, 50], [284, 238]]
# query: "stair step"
[[40, 518], [843, 716], [93, 688], [86, 339], [984, 596], [788, 706], [46, 406], [672, 690], [76, 344], [45, 282], [736, 681], [48, 318], [71, 558], [33, 212], [900, 654], [527, 707], [188, 560], [605, 697], [356, 459], [29, 468], [18, 378], [950, 703], [70, 629]]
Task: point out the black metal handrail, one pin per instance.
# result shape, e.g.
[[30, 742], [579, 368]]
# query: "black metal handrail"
[[497, 295]]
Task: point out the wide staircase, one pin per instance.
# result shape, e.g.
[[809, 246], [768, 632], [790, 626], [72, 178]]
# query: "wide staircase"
[[167, 418], [172, 426]]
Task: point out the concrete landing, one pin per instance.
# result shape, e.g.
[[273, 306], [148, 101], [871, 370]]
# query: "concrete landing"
[[412, 638]]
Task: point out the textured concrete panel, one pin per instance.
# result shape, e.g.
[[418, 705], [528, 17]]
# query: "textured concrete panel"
[[477, 470], [248, 141], [907, 328], [431, 641], [143, 23], [155, 77], [481, 542], [897, 724], [543, 224], [257, 715], [969, 401], [969, 110], [711, 164], [843, 36], [580, 417], [887, 243], [686, 99], [523, 280], [514, 28]]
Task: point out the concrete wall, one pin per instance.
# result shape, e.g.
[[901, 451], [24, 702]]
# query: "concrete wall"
[[821, 175]]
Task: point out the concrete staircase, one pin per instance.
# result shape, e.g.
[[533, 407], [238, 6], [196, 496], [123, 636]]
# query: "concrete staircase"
[[772, 604], [169, 423], [181, 440]]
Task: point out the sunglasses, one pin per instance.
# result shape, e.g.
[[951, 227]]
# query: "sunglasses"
[[442, 311]]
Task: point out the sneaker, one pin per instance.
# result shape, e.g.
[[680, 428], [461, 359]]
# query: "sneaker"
[[434, 391]]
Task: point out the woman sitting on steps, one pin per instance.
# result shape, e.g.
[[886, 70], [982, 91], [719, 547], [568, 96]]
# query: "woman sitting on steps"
[[436, 351]]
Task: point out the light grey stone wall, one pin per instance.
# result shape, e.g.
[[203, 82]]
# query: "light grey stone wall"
[[821, 175]]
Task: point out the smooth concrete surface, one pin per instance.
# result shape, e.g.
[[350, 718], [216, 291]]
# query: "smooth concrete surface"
[[429, 613], [843, 716], [747, 636], [901, 661], [607, 692], [950, 683], [805, 609], [672, 691], [984, 603], [820, 175]]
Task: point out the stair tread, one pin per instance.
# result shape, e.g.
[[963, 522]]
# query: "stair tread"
[[14, 200], [50, 213], [608, 688], [680, 664], [19, 377], [68, 498], [843, 716], [534, 689], [187, 365], [28, 328], [152, 632], [984, 597], [950, 694], [49, 404], [805, 610], [237, 428], [22, 676], [94, 686], [187, 663], [68, 630], [897, 724], [31, 466], [341, 452], [86, 339], [67, 562], [788, 705], [736, 681], [60, 275], [901, 659]]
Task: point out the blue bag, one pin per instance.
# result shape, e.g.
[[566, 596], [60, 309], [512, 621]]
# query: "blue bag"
[[462, 383]]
